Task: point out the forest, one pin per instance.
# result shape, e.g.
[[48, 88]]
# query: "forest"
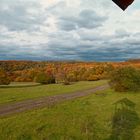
[[26, 71], [59, 72]]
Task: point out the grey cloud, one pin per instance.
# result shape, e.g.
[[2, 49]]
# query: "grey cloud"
[[121, 33], [91, 46], [64, 46], [76, 38], [109, 54], [15, 16], [119, 51], [88, 19], [60, 52], [93, 36]]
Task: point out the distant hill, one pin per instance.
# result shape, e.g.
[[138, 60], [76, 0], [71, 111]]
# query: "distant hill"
[[133, 60]]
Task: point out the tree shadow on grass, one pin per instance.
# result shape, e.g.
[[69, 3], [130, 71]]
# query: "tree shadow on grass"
[[124, 121]]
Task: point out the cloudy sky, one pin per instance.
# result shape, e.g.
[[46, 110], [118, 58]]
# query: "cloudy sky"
[[84, 30]]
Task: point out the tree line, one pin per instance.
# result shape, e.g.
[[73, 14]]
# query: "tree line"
[[67, 72]]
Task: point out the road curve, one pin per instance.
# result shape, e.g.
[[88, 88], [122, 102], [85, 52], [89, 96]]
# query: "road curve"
[[31, 104]]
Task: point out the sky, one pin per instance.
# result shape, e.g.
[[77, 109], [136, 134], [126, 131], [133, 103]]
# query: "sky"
[[83, 30]]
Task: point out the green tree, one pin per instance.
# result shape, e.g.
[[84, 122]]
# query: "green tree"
[[125, 79], [43, 78]]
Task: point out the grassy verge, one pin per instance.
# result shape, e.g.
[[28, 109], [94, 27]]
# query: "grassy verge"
[[17, 94], [20, 85], [87, 118]]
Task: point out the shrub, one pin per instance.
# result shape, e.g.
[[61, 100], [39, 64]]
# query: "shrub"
[[93, 78], [4, 79], [125, 79], [66, 82], [43, 78]]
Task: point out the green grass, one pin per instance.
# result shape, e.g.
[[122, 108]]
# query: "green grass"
[[87, 118], [24, 92], [20, 85]]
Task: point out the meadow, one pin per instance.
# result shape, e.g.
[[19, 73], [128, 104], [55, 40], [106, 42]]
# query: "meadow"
[[94, 117], [22, 91]]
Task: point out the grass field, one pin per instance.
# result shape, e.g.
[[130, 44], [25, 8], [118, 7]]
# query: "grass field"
[[20, 85], [87, 118], [23, 91]]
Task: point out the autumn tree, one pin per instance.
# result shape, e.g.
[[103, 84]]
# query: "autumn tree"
[[4, 79], [62, 76]]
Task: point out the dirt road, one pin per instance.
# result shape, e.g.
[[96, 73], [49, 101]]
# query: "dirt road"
[[31, 104]]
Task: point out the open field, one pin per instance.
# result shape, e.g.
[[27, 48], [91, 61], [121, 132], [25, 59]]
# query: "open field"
[[86, 118], [17, 94], [22, 106]]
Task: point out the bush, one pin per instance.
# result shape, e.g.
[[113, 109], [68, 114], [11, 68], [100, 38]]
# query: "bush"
[[43, 78], [125, 79], [4, 79], [94, 78], [66, 82]]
